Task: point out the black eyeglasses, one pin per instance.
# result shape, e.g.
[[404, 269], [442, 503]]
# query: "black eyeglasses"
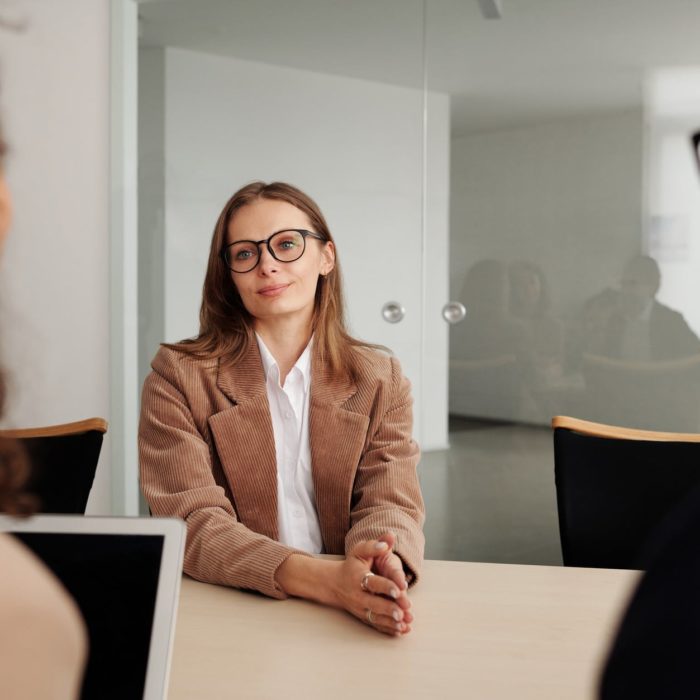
[[285, 246]]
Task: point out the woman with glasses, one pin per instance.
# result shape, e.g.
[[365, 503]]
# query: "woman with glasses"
[[276, 435]]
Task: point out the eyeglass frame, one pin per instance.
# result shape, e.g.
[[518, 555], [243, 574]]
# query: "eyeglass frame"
[[302, 232]]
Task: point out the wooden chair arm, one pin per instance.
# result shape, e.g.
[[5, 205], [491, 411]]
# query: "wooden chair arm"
[[612, 431], [75, 428]]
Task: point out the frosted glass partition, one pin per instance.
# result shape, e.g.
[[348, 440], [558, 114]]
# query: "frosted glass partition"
[[574, 216]]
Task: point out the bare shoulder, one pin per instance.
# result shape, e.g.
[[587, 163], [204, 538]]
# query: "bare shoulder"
[[36, 613], [31, 586]]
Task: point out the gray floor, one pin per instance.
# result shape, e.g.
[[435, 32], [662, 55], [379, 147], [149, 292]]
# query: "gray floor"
[[491, 496]]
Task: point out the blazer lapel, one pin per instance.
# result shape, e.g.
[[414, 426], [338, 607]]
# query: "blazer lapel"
[[245, 443], [336, 436]]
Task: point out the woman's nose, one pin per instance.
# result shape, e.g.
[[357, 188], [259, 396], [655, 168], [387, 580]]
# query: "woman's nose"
[[267, 262]]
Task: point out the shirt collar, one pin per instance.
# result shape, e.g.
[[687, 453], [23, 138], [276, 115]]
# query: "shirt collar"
[[271, 368]]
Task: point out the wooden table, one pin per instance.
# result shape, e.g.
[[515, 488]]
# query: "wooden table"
[[481, 631]]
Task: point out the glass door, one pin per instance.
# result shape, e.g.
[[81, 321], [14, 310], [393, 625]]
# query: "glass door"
[[574, 220]]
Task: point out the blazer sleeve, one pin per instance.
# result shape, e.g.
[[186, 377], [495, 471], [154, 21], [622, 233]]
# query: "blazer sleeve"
[[386, 493], [177, 481]]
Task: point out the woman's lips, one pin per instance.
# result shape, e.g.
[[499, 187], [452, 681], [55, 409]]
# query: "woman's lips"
[[273, 291]]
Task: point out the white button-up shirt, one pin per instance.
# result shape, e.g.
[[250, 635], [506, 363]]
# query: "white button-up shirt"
[[289, 409]]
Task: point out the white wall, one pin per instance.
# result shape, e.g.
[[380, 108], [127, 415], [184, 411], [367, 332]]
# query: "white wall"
[[673, 194], [55, 272], [566, 194], [356, 147]]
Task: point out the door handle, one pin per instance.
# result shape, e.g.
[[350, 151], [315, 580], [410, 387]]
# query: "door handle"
[[393, 312], [454, 312]]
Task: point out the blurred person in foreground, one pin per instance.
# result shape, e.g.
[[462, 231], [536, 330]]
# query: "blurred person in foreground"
[[43, 640], [657, 646]]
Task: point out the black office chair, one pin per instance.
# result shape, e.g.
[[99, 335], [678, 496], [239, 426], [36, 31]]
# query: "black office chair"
[[615, 485], [63, 461]]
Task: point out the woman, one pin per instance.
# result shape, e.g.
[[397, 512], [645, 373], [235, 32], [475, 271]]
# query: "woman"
[[43, 641], [530, 304], [275, 435]]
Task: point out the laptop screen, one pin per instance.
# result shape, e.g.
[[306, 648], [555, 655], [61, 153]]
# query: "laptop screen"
[[114, 580]]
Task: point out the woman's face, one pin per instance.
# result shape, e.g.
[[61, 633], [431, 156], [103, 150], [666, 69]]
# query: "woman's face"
[[278, 292], [5, 210], [527, 287]]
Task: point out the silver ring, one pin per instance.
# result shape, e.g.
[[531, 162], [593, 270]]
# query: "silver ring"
[[364, 582], [368, 614]]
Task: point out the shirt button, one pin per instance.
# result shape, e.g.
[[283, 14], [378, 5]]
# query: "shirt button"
[[297, 513], [287, 415]]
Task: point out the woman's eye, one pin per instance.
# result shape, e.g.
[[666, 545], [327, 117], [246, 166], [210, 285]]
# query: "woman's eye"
[[244, 254]]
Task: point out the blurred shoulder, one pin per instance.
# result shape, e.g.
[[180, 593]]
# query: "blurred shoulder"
[[36, 613]]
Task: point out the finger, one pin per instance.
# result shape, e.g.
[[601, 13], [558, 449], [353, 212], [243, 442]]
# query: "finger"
[[402, 598], [398, 575], [379, 585], [395, 572], [391, 567], [403, 601], [389, 625], [383, 623], [369, 549], [389, 537], [382, 607], [370, 617]]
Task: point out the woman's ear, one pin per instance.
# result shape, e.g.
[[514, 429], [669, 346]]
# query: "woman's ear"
[[5, 209], [328, 258]]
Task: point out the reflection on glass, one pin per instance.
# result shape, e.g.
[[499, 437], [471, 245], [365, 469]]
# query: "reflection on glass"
[[640, 359], [585, 223], [569, 161], [630, 324], [491, 352], [623, 357], [530, 302]]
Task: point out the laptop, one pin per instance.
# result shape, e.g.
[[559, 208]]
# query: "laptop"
[[124, 574]]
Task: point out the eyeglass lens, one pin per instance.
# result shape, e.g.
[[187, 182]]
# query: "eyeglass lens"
[[285, 246]]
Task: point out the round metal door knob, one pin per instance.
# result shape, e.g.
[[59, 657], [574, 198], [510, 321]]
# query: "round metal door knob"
[[393, 312], [454, 312]]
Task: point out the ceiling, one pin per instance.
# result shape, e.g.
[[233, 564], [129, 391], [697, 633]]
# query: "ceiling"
[[545, 59]]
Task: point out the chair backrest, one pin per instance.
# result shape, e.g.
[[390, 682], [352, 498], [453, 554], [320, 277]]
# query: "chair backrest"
[[614, 487], [63, 462]]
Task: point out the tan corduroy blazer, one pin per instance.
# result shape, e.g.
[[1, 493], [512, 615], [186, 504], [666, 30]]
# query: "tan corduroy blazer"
[[207, 455]]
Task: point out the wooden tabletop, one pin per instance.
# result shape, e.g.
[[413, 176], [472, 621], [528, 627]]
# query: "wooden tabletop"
[[481, 631]]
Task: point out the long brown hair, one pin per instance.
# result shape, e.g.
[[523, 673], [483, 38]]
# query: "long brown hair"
[[14, 466], [14, 469], [226, 326]]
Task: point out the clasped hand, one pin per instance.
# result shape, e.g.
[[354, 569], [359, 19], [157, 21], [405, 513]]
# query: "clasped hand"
[[384, 603]]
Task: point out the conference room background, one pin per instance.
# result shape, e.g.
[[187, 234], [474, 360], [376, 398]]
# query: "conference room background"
[[518, 166]]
